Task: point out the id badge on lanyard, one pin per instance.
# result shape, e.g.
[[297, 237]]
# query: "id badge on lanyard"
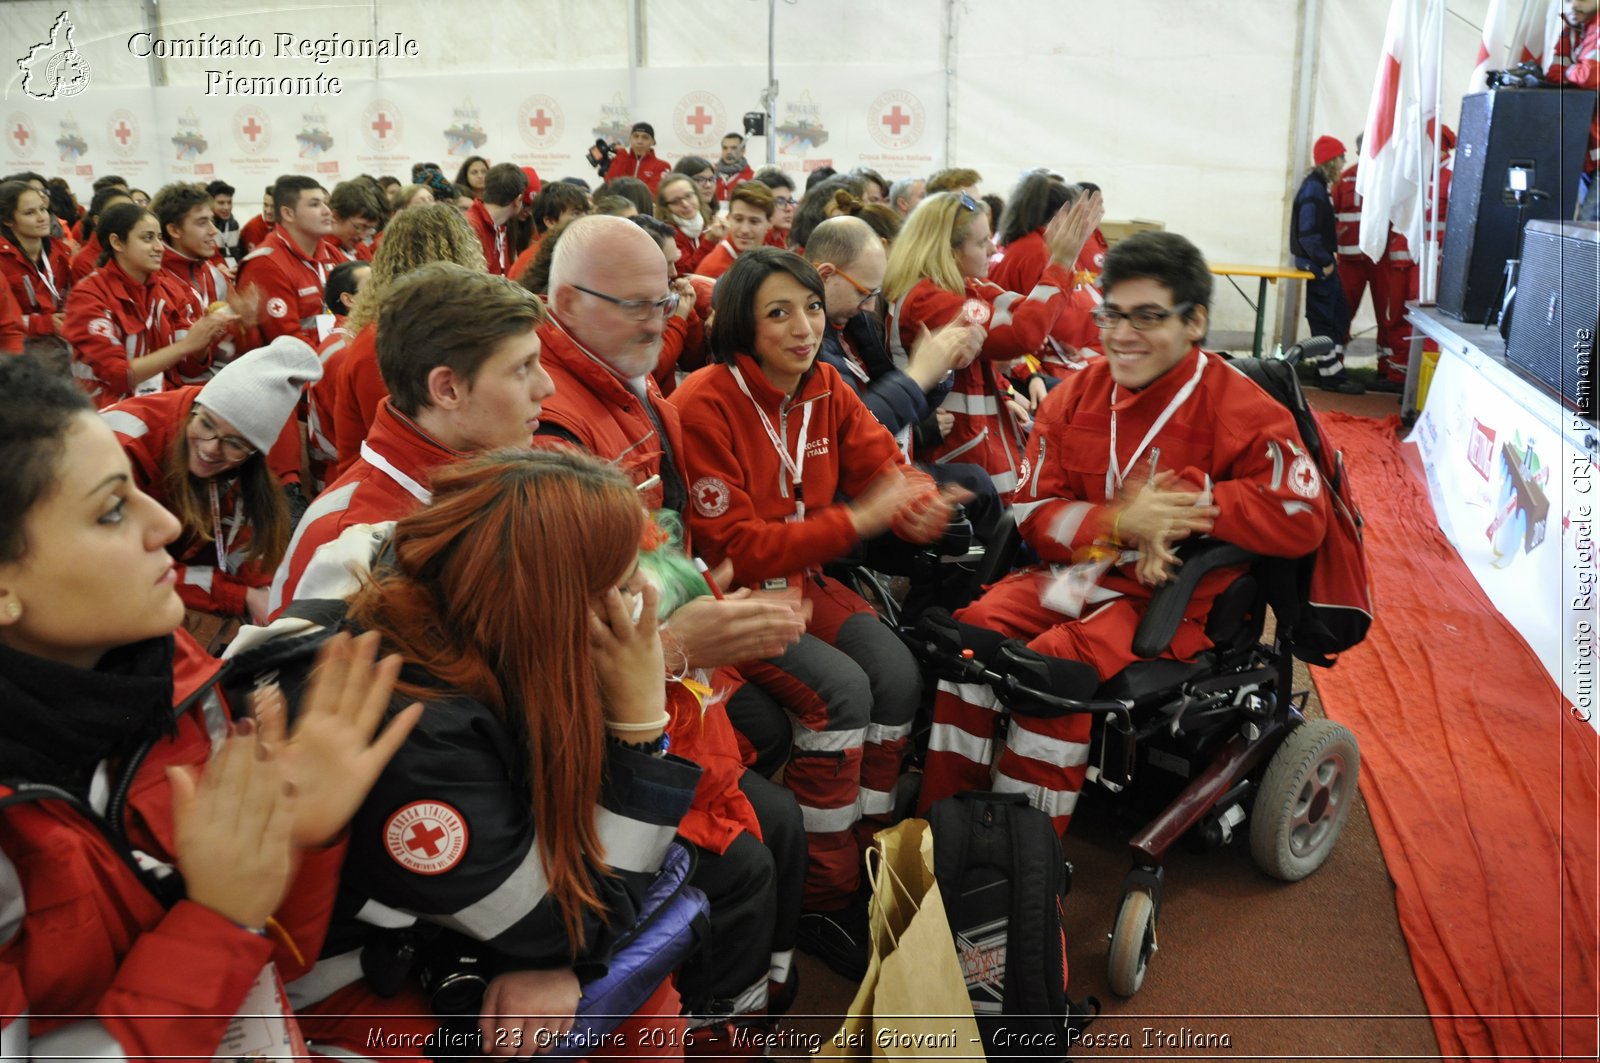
[[265, 1027]]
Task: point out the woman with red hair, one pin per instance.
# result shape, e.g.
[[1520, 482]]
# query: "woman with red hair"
[[536, 800]]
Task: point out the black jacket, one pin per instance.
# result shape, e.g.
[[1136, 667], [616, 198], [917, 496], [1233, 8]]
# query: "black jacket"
[[893, 397], [1313, 237]]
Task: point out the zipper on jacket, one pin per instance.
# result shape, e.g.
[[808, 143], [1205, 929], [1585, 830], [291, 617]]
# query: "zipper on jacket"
[[117, 806]]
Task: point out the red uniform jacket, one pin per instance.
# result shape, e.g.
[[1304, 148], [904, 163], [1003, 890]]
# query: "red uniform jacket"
[[12, 330], [985, 433], [777, 237], [1577, 62], [691, 249], [1092, 259], [354, 393], [337, 253], [1021, 268], [682, 348], [742, 498], [323, 452], [649, 169], [254, 233], [111, 320], [496, 249], [95, 956], [595, 410], [86, 260], [206, 284], [291, 287], [40, 293], [389, 485], [726, 185], [1228, 435], [148, 427], [717, 260], [520, 265]]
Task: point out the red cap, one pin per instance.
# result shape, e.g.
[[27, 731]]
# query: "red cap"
[[533, 184], [1325, 149]]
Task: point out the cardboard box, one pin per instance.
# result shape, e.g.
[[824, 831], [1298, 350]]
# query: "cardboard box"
[[1117, 231]]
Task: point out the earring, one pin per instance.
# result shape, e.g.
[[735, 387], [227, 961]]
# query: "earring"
[[13, 609]]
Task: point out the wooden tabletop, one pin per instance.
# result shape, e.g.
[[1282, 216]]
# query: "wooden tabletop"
[[1269, 273]]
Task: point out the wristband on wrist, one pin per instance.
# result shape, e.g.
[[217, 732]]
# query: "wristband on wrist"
[[648, 725], [655, 747]]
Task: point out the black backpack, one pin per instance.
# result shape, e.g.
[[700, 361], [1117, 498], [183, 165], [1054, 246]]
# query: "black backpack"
[[1004, 883]]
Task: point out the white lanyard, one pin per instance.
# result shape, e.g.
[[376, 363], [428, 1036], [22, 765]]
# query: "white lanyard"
[[48, 275], [500, 246], [795, 465], [381, 463], [1115, 473], [216, 528]]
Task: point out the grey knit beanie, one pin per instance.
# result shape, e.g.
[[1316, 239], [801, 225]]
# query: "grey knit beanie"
[[257, 392]]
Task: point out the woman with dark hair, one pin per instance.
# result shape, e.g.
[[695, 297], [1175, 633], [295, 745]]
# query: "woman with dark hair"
[[1024, 255], [36, 268], [141, 925], [63, 204], [473, 174], [633, 190], [541, 761], [790, 471], [203, 452], [820, 203], [938, 273], [129, 321], [88, 257]]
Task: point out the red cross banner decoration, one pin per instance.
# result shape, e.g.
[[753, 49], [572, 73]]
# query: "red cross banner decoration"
[[382, 126], [540, 122], [896, 119], [700, 120]]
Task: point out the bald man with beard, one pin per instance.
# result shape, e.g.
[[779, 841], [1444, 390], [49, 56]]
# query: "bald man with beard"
[[610, 298]]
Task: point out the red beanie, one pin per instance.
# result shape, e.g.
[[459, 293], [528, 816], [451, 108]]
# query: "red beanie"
[[1326, 148], [533, 184]]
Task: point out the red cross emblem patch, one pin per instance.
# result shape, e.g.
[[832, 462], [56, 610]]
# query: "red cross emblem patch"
[[277, 307], [1303, 478], [710, 496], [428, 837]]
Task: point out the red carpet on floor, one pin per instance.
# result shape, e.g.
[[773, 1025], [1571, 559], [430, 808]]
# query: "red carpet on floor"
[[1482, 787]]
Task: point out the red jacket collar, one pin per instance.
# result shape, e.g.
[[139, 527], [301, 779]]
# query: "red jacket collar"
[[406, 446], [563, 348], [1161, 390], [813, 384], [279, 235]]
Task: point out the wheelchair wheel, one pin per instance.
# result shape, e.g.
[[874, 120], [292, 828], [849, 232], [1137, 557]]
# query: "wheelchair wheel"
[[1133, 942], [1304, 799]]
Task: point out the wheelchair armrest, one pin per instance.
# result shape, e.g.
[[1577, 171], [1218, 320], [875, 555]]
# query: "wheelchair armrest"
[[1167, 606]]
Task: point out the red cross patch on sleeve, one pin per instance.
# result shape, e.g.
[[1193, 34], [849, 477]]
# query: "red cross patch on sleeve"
[[427, 837], [1303, 477], [277, 307], [710, 496]]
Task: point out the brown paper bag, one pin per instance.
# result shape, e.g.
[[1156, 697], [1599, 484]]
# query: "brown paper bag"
[[913, 1002]]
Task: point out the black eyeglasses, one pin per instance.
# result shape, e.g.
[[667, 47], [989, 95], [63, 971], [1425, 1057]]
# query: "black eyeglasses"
[[1142, 318], [233, 447], [637, 309]]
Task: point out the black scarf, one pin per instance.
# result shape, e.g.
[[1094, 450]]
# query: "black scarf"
[[58, 722]]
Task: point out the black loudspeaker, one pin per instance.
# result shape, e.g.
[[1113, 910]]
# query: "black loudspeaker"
[[1543, 132], [1558, 310]]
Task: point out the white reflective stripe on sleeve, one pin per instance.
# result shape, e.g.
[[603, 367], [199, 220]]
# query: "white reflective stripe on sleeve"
[[632, 844], [336, 569], [199, 576], [1004, 482], [505, 905], [809, 741], [829, 820], [124, 422], [13, 905], [1040, 747], [979, 694], [971, 405], [1350, 250], [781, 964], [1043, 293], [382, 915], [1020, 511], [875, 802], [14, 1038], [948, 738], [1050, 802], [325, 979], [885, 732], [1068, 521], [80, 1040], [1002, 310], [328, 502], [1275, 452], [1294, 509]]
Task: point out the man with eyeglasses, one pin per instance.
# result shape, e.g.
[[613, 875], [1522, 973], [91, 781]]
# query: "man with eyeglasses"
[[784, 204], [610, 300], [1156, 442], [851, 261]]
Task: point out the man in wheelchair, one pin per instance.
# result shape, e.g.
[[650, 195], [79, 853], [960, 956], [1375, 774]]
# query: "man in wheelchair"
[[1154, 443]]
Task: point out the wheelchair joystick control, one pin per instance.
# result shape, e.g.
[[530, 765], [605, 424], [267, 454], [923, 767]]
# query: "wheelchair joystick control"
[[967, 655]]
